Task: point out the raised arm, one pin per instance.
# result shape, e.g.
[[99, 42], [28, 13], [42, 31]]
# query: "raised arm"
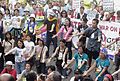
[[12, 50]]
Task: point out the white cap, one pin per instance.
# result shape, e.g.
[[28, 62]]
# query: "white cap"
[[26, 10], [32, 15], [9, 63], [55, 8], [51, 13]]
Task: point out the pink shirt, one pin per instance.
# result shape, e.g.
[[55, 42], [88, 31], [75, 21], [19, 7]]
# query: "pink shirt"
[[66, 33]]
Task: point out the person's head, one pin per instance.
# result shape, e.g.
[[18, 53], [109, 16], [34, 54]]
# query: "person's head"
[[118, 13], [54, 76], [51, 14], [20, 44], [24, 34], [111, 13], [62, 43], [8, 36], [28, 67], [87, 79], [28, 37], [76, 76], [82, 9], [9, 65], [95, 23], [7, 11], [100, 8], [6, 77], [26, 11], [84, 21], [51, 68], [103, 53], [108, 77], [50, 5], [67, 22], [41, 77], [18, 5], [80, 49], [31, 76], [16, 12], [32, 18], [34, 6], [64, 14], [40, 42]]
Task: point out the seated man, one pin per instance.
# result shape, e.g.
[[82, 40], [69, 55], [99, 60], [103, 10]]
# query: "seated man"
[[8, 69]]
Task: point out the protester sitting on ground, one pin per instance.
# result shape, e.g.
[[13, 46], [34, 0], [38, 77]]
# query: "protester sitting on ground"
[[41, 77], [31, 76], [25, 72], [6, 77], [81, 60], [8, 69], [54, 76], [77, 76], [108, 77], [101, 64], [60, 54], [50, 68]]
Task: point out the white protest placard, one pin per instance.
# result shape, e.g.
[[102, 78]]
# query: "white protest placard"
[[75, 4], [91, 14], [108, 5]]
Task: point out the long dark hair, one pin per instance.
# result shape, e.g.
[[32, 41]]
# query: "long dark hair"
[[64, 12], [38, 39], [6, 39], [69, 21], [21, 42], [8, 11]]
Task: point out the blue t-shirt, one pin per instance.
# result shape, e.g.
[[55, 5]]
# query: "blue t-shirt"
[[79, 59], [100, 65]]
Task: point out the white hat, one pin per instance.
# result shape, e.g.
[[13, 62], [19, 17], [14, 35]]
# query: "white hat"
[[51, 13], [55, 8], [9, 63], [32, 15], [26, 10]]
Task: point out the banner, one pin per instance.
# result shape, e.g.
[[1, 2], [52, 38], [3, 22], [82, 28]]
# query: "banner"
[[110, 31], [75, 4], [108, 5]]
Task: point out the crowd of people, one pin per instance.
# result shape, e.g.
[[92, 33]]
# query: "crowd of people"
[[25, 43]]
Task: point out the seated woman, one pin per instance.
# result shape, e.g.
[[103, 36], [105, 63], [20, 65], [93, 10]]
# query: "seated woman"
[[25, 72], [60, 54]]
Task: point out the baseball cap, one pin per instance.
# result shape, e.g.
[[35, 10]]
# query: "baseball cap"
[[51, 13], [26, 10], [104, 51], [32, 15], [9, 63]]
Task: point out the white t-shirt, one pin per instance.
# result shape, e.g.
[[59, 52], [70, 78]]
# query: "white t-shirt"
[[19, 54], [28, 46], [16, 21]]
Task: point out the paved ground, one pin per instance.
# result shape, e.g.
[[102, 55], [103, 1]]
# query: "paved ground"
[[111, 68]]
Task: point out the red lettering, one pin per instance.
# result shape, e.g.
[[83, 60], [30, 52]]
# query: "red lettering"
[[114, 29], [102, 27]]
